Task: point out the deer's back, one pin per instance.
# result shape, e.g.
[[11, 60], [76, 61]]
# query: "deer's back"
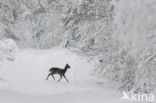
[[56, 70]]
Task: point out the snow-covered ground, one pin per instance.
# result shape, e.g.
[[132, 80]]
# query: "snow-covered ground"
[[24, 79]]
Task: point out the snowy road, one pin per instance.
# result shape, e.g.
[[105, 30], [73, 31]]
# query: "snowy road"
[[25, 79]]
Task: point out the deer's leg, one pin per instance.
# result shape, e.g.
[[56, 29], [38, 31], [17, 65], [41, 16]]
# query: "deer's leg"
[[48, 76], [65, 78], [60, 77], [53, 76]]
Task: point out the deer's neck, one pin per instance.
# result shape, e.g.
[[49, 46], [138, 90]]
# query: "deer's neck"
[[65, 69]]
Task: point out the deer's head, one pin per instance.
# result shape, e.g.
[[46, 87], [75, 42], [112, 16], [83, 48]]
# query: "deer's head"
[[67, 66]]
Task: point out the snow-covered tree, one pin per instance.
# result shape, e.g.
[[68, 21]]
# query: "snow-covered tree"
[[119, 34]]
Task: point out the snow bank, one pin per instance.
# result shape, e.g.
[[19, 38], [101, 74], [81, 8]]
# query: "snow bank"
[[8, 49]]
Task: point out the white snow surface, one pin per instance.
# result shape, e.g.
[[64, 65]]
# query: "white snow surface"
[[25, 79]]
